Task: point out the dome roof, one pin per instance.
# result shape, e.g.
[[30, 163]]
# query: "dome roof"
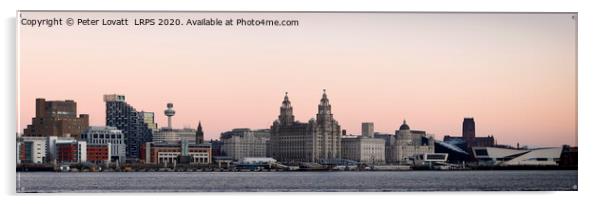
[[404, 126]]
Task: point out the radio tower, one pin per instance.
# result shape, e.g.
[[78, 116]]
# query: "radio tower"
[[169, 112]]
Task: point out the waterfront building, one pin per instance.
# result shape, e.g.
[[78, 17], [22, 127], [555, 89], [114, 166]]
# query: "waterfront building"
[[98, 153], [455, 153], [496, 156], [318, 140], [363, 149], [70, 151], [57, 118], [176, 153], [469, 138], [124, 117], [407, 143], [107, 136], [31, 150], [430, 159], [241, 143]]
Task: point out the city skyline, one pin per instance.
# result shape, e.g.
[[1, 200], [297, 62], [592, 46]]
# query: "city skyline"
[[167, 125], [514, 73]]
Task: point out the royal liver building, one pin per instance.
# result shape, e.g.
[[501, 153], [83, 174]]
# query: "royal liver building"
[[316, 141]]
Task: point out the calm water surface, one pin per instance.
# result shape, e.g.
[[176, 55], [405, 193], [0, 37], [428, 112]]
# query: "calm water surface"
[[297, 181]]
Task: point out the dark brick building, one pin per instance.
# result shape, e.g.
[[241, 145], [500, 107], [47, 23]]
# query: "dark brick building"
[[56, 118]]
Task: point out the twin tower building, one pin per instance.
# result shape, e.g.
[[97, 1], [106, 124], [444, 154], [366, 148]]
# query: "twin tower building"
[[318, 140]]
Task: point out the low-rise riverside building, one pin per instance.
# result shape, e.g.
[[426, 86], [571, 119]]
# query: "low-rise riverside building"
[[98, 153], [70, 151], [176, 153], [61, 150], [496, 156], [31, 150], [102, 136]]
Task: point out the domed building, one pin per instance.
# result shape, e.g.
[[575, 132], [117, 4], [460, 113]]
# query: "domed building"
[[407, 144]]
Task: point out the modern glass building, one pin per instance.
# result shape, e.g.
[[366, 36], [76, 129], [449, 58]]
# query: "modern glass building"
[[124, 117]]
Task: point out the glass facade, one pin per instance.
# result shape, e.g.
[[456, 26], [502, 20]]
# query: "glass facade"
[[124, 117]]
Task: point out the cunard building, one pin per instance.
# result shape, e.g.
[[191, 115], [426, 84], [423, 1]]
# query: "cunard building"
[[316, 141]]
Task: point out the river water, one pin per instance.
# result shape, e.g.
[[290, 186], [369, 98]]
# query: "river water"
[[520, 180]]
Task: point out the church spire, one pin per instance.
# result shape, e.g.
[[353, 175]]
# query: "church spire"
[[199, 136]]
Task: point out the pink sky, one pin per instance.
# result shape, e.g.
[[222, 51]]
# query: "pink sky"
[[514, 73]]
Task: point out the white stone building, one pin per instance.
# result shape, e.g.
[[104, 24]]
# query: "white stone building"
[[406, 144], [243, 142], [363, 149]]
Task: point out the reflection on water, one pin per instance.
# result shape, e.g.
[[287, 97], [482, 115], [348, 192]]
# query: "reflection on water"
[[297, 181]]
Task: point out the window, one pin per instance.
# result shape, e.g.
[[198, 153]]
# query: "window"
[[435, 156], [481, 152]]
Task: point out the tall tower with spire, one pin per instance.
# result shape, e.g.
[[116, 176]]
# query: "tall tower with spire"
[[324, 109], [327, 134], [199, 135], [286, 116]]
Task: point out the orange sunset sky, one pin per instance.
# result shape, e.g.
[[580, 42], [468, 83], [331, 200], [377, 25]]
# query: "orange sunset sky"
[[515, 73]]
